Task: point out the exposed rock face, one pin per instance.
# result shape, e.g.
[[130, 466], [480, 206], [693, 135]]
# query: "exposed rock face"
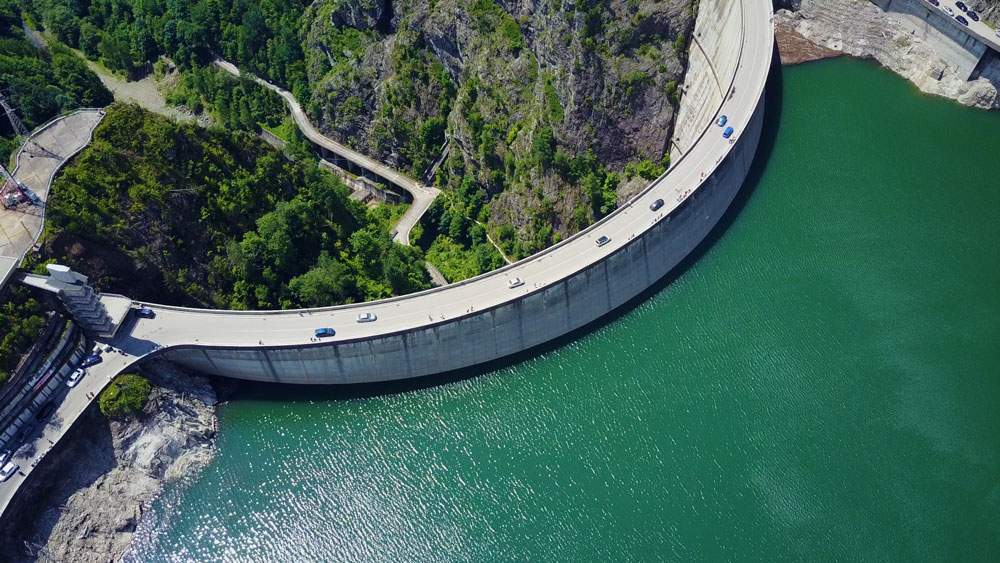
[[494, 74], [86, 502], [862, 29]]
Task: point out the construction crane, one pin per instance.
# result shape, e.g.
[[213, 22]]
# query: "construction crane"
[[31, 146]]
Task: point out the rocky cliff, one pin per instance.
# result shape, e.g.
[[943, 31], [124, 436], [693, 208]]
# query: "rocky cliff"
[[84, 503], [510, 84], [861, 29]]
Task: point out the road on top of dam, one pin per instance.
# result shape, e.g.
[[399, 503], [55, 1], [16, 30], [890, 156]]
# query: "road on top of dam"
[[176, 326]]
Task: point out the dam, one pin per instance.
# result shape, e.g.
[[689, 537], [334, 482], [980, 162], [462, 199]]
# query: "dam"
[[525, 304]]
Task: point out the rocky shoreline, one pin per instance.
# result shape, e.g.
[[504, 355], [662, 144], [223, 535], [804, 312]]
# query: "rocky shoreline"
[[815, 29], [85, 502]]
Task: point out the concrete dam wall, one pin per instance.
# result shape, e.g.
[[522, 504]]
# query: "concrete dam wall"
[[520, 325], [588, 284]]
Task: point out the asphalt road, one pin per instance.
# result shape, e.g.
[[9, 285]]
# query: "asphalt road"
[[423, 196], [72, 405], [177, 326], [977, 29]]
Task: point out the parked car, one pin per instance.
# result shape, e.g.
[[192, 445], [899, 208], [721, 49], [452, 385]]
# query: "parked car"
[[366, 317], [961, 6], [934, 2], [601, 241], [75, 377], [8, 470], [146, 313], [962, 20], [91, 360], [324, 332], [948, 11], [4, 456], [998, 33], [45, 411], [514, 282], [656, 205], [722, 121], [972, 15], [24, 433], [727, 133]]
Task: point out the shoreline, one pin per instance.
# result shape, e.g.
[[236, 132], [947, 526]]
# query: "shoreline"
[[87, 499]]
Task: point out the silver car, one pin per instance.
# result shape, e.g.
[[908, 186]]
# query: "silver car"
[[366, 317]]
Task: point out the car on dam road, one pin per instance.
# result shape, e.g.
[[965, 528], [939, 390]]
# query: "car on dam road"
[[91, 360], [934, 2], [948, 11], [146, 313], [656, 205], [4, 456], [75, 377], [972, 15], [727, 133], [962, 21], [514, 282], [722, 121], [366, 317], [601, 241], [8, 470], [324, 332]]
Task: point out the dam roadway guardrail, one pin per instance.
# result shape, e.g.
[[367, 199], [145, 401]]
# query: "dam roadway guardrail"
[[483, 319]]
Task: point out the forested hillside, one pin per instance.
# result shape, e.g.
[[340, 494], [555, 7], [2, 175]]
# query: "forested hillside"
[[555, 111], [40, 84], [176, 213]]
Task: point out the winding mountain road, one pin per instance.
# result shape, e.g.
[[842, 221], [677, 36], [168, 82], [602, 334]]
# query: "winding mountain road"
[[422, 196]]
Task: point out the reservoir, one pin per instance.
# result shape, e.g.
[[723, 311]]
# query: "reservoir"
[[820, 384]]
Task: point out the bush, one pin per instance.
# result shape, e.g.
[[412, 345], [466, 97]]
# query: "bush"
[[125, 396]]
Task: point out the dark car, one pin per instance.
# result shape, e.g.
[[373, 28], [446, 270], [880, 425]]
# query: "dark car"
[[972, 15], [45, 411], [24, 433], [92, 360], [146, 313], [962, 20], [601, 241], [934, 2], [324, 332], [961, 6], [656, 205]]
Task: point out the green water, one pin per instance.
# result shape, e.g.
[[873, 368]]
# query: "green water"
[[821, 385]]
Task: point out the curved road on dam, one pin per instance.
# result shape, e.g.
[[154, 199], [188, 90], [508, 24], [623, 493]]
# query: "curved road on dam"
[[176, 326], [179, 329]]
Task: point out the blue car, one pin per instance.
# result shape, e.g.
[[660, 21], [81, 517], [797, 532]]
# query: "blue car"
[[146, 313], [90, 361], [722, 121], [324, 332], [727, 132]]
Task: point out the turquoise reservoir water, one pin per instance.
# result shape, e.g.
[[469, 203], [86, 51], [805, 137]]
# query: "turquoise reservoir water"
[[820, 385]]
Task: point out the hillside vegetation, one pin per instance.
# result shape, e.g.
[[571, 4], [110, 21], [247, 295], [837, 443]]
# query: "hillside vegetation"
[[40, 84], [176, 213], [554, 112]]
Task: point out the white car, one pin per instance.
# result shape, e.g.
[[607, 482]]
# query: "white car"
[[948, 10], [366, 317], [515, 282], [8, 470], [998, 33], [75, 377], [4, 456]]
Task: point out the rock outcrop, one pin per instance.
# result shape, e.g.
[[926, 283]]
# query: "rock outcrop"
[[861, 29], [84, 503], [390, 79]]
